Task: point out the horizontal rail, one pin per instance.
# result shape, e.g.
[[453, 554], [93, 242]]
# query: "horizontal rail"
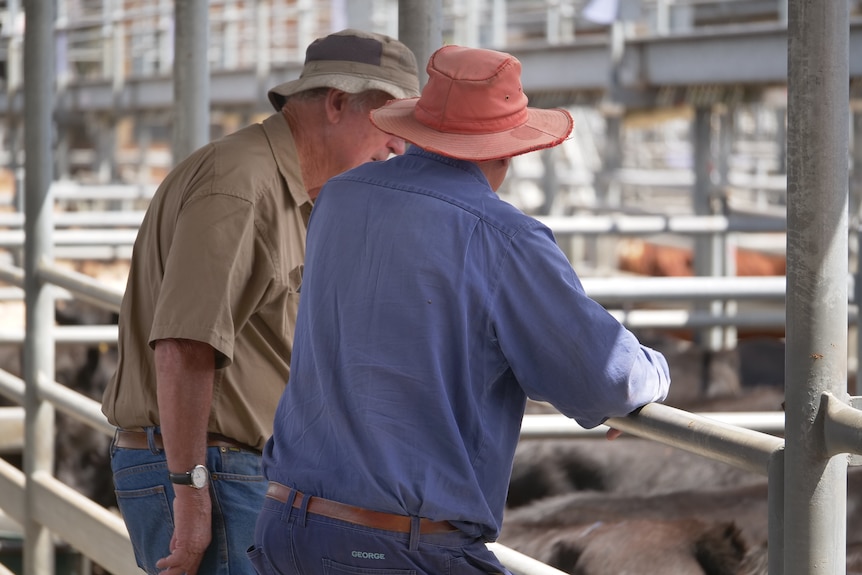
[[700, 288], [520, 564], [12, 387], [68, 190], [76, 405], [12, 275], [76, 519], [682, 319], [658, 224], [842, 426], [83, 286], [703, 435], [12, 491], [91, 237], [619, 224], [128, 218], [85, 334], [558, 426], [11, 429], [84, 524]]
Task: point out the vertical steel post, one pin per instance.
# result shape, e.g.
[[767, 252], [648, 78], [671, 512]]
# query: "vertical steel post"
[[420, 28], [14, 73], [775, 513], [816, 358], [191, 77], [856, 201], [39, 62], [708, 249]]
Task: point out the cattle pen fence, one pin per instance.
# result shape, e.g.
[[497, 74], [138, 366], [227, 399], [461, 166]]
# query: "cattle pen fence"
[[806, 468], [37, 500], [100, 534]]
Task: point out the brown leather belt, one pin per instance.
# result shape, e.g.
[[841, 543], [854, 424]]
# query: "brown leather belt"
[[138, 440], [356, 515]]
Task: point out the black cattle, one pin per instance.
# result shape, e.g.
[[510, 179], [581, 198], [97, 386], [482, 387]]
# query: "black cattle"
[[566, 530], [82, 458], [544, 468], [637, 546]]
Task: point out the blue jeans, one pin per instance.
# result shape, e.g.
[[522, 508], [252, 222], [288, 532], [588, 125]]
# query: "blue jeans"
[[145, 497], [293, 541]]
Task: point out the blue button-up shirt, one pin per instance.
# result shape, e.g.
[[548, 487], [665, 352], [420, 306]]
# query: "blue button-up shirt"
[[430, 310]]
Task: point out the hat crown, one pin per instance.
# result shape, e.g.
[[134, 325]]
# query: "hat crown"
[[483, 98], [354, 61], [473, 108]]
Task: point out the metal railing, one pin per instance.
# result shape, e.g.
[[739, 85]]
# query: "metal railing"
[[798, 534], [746, 441]]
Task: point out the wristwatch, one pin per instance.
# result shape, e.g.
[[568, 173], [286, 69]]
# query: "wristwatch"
[[198, 477]]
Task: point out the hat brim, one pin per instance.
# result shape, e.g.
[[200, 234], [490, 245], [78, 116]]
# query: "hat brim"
[[343, 82], [543, 129]]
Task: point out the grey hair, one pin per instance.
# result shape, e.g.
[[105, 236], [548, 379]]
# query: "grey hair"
[[359, 102]]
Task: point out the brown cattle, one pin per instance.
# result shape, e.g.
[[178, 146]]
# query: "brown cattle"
[[653, 259]]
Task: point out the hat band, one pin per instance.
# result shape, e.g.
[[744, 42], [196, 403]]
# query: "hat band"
[[441, 123]]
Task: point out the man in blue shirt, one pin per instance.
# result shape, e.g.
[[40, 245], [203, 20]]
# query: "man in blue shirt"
[[430, 311]]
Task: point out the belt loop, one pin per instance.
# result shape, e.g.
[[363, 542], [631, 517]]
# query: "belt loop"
[[414, 533], [151, 440], [288, 505], [114, 442], [303, 509]]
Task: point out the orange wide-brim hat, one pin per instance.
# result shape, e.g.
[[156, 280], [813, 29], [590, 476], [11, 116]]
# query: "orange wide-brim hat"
[[473, 108]]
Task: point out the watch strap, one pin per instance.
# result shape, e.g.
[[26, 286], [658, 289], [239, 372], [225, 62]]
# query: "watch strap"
[[197, 477], [184, 478]]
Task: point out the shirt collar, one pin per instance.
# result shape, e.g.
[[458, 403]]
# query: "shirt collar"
[[466, 165], [286, 157]]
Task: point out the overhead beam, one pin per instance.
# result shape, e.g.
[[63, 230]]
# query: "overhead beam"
[[744, 55]]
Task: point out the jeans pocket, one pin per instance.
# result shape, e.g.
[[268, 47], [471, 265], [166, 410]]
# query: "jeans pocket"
[[149, 519], [331, 567]]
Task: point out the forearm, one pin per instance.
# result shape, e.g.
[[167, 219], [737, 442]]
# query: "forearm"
[[184, 370]]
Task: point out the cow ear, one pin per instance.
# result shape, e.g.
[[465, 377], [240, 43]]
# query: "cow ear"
[[721, 549]]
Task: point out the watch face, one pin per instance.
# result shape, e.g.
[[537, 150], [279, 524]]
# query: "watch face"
[[199, 476]]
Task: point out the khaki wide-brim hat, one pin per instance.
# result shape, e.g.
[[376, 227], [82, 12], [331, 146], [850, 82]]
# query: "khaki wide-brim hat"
[[354, 61], [473, 108]]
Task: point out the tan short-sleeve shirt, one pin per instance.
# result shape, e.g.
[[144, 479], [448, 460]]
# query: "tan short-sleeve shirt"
[[218, 259]]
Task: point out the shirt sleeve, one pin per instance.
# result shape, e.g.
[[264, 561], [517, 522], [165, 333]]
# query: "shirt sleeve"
[[562, 346], [209, 286]]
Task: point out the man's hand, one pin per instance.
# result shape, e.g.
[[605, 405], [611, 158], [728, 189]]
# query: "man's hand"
[[192, 531], [613, 433]]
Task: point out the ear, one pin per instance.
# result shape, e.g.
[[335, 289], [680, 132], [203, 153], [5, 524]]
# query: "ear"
[[336, 104]]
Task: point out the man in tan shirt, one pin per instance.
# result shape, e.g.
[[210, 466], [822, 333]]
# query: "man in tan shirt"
[[206, 325]]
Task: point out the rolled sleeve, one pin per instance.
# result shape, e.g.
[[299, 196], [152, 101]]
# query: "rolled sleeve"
[[564, 347]]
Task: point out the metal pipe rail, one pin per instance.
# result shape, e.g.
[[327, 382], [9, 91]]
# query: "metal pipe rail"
[[11, 429], [700, 288], [558, 426], [77, 237], [67, 190], [593, 224], [620, 224], [86, 334], [74, 404], [520, 564], [120, 218], [842, 431], [743, 448], [82, 285], [84, 524]]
